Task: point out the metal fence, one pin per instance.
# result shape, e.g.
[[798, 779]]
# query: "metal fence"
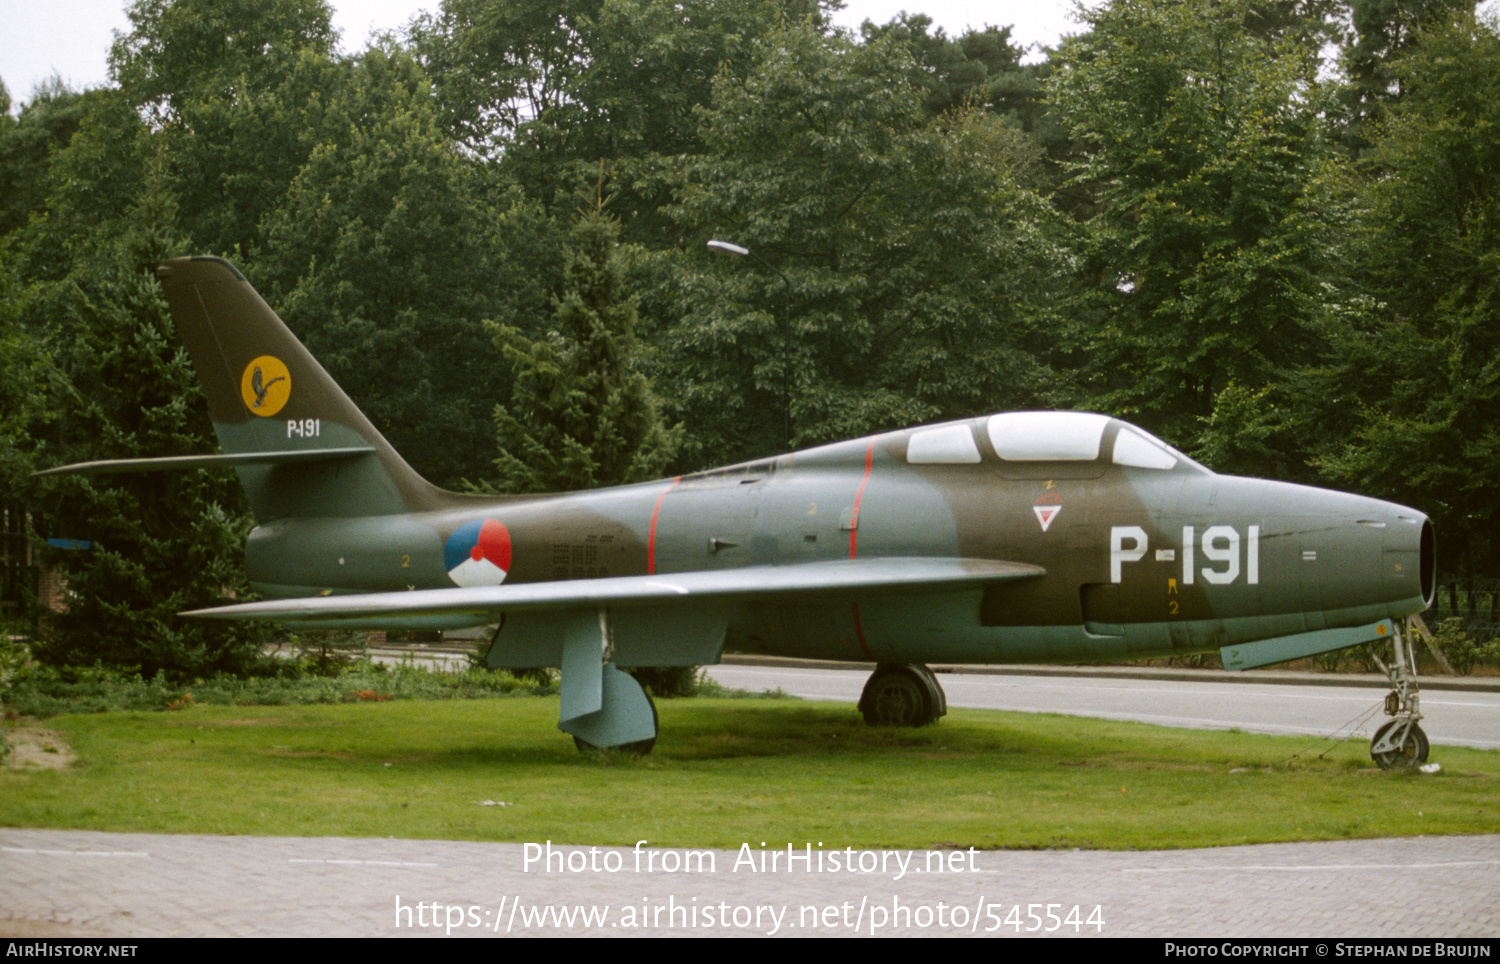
[[1474, 600]]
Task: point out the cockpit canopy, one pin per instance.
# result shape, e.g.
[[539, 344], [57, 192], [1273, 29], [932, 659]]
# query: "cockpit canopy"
[[1032, 437]]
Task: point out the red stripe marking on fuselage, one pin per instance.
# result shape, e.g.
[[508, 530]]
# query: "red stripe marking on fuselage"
[[859, 632], [651, 536], [858, 495]]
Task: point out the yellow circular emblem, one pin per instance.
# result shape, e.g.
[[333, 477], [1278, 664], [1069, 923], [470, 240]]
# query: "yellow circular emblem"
[[265, 385]]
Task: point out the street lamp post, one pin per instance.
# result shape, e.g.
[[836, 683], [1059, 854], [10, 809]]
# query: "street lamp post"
[[735, 250]]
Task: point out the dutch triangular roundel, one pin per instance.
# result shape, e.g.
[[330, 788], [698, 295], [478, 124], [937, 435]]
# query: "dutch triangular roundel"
[[478, 553]]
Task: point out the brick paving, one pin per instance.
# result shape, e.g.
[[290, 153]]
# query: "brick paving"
[[56, 883]]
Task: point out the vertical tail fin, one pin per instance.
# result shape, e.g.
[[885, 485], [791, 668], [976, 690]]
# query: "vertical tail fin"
[[309, 451]]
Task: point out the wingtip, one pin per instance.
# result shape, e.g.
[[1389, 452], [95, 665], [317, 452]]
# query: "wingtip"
[[196, 268]]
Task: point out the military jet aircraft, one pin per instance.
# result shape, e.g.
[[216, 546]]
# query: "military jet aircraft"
[[1020, 537]]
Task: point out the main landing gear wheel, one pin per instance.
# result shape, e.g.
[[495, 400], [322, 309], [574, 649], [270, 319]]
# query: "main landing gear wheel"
[[902, 695], [638, 748], [1411, 753]]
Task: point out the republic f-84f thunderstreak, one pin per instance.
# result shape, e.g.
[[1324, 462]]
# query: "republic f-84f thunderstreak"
[[1042, 537]]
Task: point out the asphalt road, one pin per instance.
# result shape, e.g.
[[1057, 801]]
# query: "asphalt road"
[[1284, 703]]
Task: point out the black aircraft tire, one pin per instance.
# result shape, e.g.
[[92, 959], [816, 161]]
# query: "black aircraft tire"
[[1411, 754], [638, 748], [896, 696]]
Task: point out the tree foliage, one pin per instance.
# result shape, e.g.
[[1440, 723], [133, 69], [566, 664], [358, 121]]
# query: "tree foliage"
[[1181, 217], [1381, 33], [901, 256], [497, 66], [1200, 268], [1428, 356], [182, 52], [28, 144], [582, 414], [387, 251], [234, 90], [159, 543]]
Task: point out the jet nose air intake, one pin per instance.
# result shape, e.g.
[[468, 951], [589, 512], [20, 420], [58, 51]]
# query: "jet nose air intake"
[[1412, 550], [1407, 555]]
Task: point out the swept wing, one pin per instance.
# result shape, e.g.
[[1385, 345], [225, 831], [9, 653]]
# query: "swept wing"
[[484, 604]]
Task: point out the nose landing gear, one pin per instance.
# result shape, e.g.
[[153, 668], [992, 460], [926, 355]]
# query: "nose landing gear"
[[1400, 744]]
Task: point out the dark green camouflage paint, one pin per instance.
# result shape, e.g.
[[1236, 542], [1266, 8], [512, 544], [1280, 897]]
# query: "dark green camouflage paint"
[[1137, 561]]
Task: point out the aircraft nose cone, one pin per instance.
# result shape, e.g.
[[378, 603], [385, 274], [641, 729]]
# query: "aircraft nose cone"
[[1380, 549], [1339, 558]]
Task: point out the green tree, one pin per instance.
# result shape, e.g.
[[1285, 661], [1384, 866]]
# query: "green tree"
[[582, 414], [651, 68], [910, 265], [1202, 265], [26, 378], [1423, 363], [979, 68], [386, 253], [179, 52], [333, 184], [28, 144], [160, 543], [549, 90], [1381, 33], [623, 71], [234, 90], [498, 65]]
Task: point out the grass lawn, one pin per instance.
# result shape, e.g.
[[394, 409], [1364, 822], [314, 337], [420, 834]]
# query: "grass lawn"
[[729, 771]]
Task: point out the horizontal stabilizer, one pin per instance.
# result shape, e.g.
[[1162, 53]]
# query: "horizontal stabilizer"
[[845, 576], [173, 463]]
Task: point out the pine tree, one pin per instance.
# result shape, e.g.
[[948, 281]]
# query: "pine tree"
[[159, 543], [581, 415]]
